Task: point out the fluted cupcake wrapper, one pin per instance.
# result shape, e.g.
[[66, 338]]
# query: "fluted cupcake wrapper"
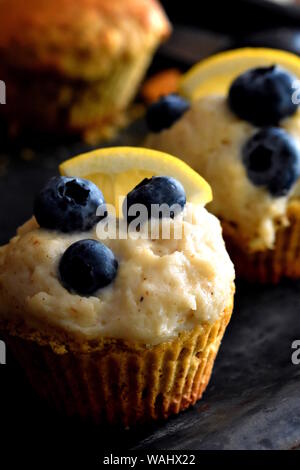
[[268, 266], [120, 384]]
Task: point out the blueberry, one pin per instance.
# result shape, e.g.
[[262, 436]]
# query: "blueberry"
[[272, 159], [164, 112], [68, 204], [87, 266], [157, 190], [263, 96]]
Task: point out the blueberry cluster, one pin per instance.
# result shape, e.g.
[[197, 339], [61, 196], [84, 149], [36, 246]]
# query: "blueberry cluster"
[[271, 158], [263, 97], [87, 266], [163, 113], [159, 191], [70, 205]]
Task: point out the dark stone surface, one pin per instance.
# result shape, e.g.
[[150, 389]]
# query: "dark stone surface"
[[252, 401]]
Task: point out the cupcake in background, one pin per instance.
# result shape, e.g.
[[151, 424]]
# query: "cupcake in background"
[[239, 127], [73, 67], [124, 329]]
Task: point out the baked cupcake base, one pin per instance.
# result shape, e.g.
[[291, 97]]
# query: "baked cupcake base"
[[268, 266], [124, 383], [54, 104]]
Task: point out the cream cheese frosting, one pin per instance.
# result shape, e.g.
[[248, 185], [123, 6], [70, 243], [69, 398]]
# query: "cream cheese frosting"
[[162, 287], [209, 137]]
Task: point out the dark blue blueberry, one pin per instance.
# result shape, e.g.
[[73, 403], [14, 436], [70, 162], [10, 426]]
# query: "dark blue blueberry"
[[263, 96], [87, 266], [68, 204], [272, 159], [164, 112], [157, 190]]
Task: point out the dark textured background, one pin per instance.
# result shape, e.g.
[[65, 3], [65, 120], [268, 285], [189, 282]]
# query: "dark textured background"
[[252, 401]]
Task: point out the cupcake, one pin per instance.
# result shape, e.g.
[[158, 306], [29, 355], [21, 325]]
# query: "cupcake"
[[74, 66], [123, 329], [245, 141]]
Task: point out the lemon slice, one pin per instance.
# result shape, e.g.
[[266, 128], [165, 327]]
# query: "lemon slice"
[[117, 170], [215, 74]]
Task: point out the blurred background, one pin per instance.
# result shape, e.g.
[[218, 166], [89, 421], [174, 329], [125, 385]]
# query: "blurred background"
[[201, 31], [65, 101]]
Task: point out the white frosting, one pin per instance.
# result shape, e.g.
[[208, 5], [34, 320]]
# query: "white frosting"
[[162, 286], [209, 137]]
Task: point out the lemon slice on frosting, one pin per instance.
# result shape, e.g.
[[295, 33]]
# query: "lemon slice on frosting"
[[117, 170], [215, 74]]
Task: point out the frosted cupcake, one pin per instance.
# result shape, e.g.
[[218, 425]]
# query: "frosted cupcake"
[[245, 141], [123, 330]]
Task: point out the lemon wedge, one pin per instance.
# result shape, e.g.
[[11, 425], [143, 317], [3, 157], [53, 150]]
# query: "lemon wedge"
[[117, 170], [215, 74]]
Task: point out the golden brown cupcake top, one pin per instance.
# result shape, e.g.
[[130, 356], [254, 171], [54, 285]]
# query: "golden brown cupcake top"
[[81, 38]]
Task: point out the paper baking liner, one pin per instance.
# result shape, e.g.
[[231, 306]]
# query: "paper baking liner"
[[123, 383], [269, 266]]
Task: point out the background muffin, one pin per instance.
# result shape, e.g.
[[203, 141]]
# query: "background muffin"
[[249, 151], [74, 66]]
